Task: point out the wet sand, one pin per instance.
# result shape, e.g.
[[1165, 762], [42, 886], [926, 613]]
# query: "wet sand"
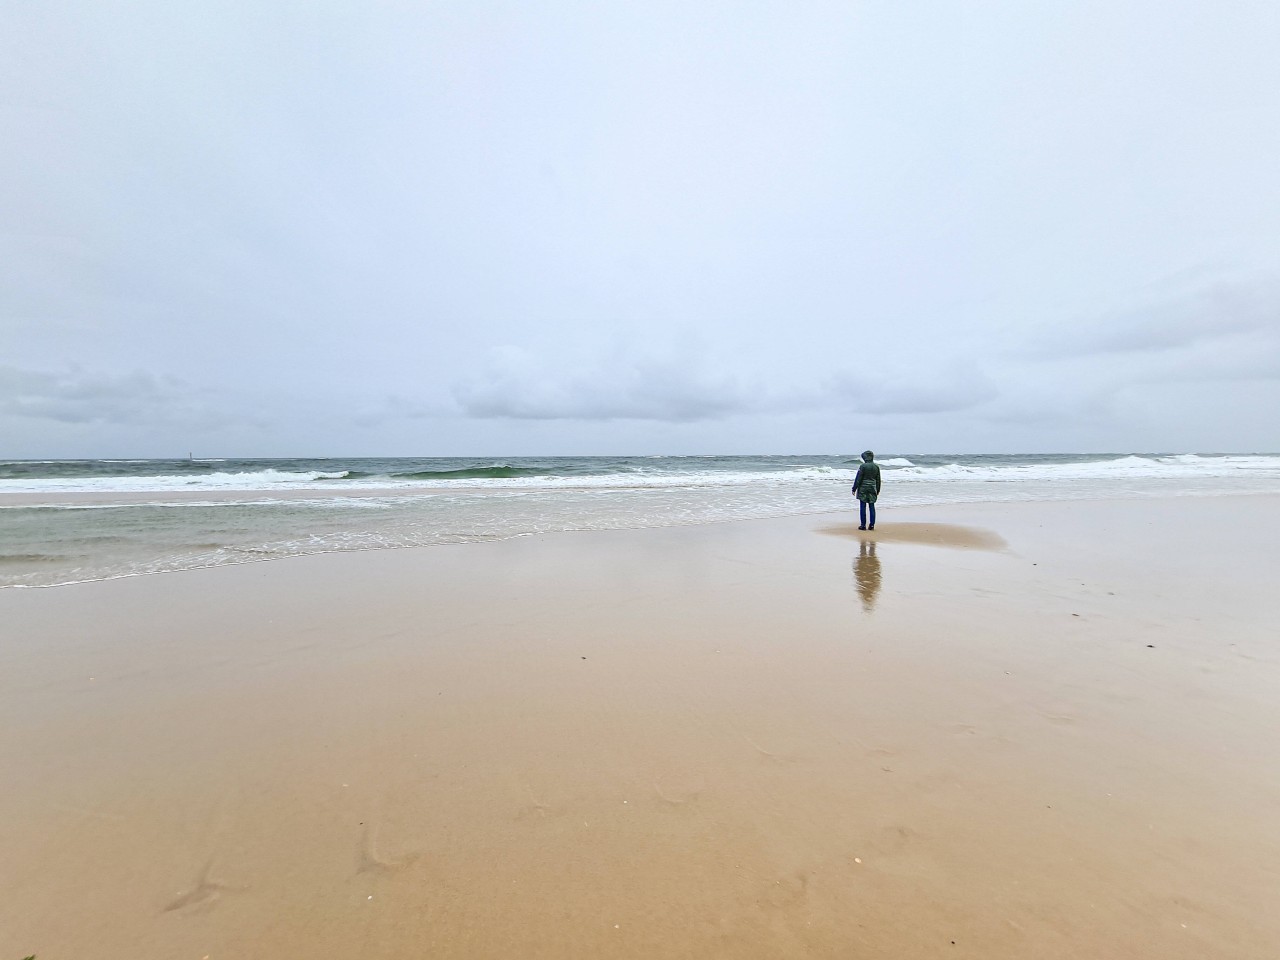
[[51, 498], [1014, 730], [931, 534]]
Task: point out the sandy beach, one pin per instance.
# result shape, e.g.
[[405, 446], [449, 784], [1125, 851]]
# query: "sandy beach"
[[985, 731]]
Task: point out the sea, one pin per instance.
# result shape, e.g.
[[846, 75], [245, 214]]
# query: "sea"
[[67, 521]]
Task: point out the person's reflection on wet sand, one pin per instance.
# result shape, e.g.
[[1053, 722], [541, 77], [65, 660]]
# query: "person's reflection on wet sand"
[[866, 571]]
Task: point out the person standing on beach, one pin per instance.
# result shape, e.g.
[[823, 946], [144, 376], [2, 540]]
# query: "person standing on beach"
[[866, 487]]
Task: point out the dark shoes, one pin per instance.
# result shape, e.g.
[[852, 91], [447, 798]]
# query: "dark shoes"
[[862, 528]]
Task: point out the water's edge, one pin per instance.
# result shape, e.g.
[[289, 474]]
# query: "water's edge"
[[99, 520]]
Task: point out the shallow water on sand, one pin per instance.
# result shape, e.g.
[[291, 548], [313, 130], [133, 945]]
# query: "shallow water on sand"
[[68, 521]]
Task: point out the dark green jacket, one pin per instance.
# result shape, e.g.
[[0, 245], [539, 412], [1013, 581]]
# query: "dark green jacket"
[[866, 485]]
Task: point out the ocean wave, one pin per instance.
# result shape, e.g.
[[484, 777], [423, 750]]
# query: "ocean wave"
[[249, 480], [890, 462], [625, 473], [500, 471], [1130, 467], [260, 515]]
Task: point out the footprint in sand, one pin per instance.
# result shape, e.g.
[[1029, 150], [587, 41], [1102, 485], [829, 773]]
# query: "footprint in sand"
[[676, 798], [203, 895], [769, 754], [786, 893], [892, 838], [368, 860], [866, 747], [535, 808]]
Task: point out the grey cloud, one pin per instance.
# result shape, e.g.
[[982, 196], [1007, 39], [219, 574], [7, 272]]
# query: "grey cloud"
[[1216, 311], [327, 216], [79, 397], [1221, 331], [396, 407], [1254, 355], [920, 391], [516, 385], [1054, 405]]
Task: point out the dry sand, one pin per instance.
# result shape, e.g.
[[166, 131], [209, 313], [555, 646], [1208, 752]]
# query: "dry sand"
[[1013, 731]]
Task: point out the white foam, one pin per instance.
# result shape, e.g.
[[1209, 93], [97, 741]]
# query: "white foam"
[[261, 520], [1188, 466], [1181, 466], [255, 480]]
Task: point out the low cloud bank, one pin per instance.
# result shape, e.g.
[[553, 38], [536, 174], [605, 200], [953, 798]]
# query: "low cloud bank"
[[516, 385], [77, 396], [1225, 310], [922, 391]]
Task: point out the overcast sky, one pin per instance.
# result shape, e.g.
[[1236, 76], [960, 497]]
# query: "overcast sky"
[[474, 228]]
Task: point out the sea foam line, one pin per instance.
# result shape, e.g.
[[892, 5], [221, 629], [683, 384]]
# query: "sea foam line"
[[902, 469]]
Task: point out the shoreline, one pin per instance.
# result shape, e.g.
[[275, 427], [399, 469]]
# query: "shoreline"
[[485, 536], [253, 497], [1034, 729]]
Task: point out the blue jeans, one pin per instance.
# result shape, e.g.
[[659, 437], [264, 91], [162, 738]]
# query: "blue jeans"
[[863, 507]]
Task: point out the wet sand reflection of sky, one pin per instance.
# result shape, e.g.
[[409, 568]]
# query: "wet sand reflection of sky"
[[951, 535], [867, 574]]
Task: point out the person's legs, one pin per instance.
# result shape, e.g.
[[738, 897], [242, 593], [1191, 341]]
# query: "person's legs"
[[862, 515], [872, 508]]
